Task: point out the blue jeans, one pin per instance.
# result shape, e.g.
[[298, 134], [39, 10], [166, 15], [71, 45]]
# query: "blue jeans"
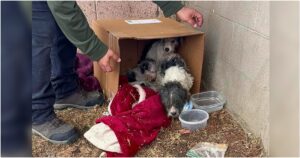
[[53, 63]]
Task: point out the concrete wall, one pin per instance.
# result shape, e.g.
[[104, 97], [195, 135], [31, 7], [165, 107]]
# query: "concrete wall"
[[284, 79], [119, 9], [237, 59], [236, 52]]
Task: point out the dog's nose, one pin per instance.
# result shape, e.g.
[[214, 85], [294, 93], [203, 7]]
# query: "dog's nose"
[[173, 113], [167, 49]]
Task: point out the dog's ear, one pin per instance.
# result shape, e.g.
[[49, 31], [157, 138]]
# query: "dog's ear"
[[164, 93], [182, 94], [144, 66], [131, 76], [186, 95], [146, 49], [165, 64], [178, 62], [163, 67]]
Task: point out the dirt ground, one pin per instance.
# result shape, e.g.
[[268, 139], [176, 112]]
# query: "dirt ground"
[[169, 143]]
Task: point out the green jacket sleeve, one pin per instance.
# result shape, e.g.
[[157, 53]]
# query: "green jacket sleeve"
[[169, 7], [74, 25]]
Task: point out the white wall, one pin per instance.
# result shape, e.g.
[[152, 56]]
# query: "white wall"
[[237, 59], [284, 79]]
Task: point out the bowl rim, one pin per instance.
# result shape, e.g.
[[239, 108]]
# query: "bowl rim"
[[205, 92], [219, 96], [198, 122]]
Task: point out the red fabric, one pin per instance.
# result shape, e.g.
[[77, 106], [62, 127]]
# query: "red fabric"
[[123, 80], [129, 96], [135, 127]]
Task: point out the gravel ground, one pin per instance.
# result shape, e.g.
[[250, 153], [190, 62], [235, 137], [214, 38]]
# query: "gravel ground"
[[170, 142]]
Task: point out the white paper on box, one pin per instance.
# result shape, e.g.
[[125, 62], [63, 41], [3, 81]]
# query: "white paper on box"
[[143, 21]]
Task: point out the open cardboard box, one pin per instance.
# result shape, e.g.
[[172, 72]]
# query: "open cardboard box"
[[128, 40]]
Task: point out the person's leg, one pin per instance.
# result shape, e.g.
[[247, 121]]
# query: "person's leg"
[[64, 78], [54, 79], [44, 121], [43, 96]]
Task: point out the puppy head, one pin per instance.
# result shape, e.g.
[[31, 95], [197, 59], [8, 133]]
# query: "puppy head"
[[148, 69], [169, 61], [170, 44], [173, 97]]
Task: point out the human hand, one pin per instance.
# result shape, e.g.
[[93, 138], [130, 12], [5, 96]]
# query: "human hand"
[[104, 61], [191, 16]]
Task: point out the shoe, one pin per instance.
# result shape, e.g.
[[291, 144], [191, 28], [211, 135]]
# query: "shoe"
[[81, 100], [56, 131]]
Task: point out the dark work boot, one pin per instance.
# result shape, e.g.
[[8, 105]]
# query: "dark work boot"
[[56, 131], [81, 100]]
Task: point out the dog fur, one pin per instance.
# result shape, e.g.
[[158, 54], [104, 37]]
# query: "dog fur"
[[159, 48], [172, 78], [145, 71], [173, 97], [169, 60], [152, 54], [176, 82]]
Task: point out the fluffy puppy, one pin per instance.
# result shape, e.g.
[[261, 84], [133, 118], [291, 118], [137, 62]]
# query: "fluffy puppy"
[[173, 68], [176, 82], [179, 74], [159, 48], [173, 97], [145, 71]]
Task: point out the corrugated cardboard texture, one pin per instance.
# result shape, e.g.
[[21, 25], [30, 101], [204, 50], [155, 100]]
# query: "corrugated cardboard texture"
[[167, 28], [191, 50], [129, 41]]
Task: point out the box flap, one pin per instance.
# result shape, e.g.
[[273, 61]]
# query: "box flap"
[[146, 29]]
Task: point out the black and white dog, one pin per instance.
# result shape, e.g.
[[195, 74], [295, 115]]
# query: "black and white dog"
[[176, 82], [172, 79], [145, 71], [151, 57]]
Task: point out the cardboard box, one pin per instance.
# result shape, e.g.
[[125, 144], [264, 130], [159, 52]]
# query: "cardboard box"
[[129, 39]]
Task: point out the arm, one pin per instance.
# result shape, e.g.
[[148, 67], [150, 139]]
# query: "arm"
[[186, 14], [169, 7], [74, 25]]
